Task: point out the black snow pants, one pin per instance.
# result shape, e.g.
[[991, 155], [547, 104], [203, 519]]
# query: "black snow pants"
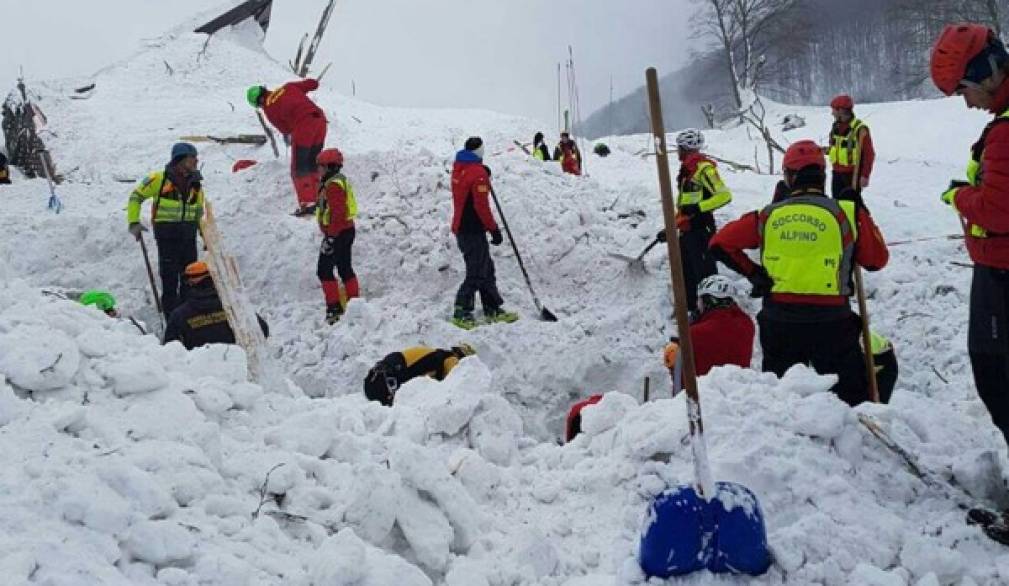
[[839, 181], [176, 249], [988, 341], [830, 347], [339, 257], [480, 276], [697, 261]]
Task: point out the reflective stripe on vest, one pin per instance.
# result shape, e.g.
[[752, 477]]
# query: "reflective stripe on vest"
[[692, 190], [322, 209], [807, 245], [975, 175], [169, 207], [845, 149]]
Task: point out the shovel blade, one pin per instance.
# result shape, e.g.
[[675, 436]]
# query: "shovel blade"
[[547, 315]]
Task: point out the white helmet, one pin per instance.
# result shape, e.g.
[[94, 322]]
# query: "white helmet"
[[718, 287], [690, 139]]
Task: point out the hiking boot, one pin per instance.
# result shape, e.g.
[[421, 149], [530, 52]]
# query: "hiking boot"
[[333, 314], [463, 319], [305, 210], [499, 315]]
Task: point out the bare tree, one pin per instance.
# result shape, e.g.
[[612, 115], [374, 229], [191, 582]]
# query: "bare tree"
[[740, 29]]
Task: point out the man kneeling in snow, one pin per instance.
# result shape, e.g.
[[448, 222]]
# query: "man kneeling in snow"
[[201, 319], [392, 372]]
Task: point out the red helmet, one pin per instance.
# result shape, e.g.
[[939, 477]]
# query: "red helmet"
[[330, 157], [803, 154], [957, 45], [842, 102]]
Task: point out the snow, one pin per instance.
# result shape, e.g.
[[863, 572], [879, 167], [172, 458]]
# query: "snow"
[[128, 462]]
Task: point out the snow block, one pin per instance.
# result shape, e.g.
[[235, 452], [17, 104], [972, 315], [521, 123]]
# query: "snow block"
[[684, 533]]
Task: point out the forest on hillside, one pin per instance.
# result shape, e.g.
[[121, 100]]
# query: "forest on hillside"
[[800, 52]]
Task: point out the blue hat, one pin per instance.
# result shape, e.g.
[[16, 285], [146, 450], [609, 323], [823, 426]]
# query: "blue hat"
[[182, 149]]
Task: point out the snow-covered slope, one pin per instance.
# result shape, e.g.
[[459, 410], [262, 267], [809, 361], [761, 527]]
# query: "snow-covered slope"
[[131, 463]]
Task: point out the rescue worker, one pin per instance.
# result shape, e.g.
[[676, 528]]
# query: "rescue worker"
[[969, 60], [540, 150], [809, 245], [851, 153], [568, 154], [885, 360], [393, 371], [722, 334], [701, 192], [472, 220], [201, 320], [5, 173], [100, 299], [335, 212], [573, 424], [177, 196], [290, 110]]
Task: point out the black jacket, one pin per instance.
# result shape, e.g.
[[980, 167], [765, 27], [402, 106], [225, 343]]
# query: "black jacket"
[[201, 319]]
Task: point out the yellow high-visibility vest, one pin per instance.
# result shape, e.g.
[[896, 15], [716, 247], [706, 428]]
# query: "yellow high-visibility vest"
[[975, 176], [169, 204], [323, 211], [846, 149], [807, 245]]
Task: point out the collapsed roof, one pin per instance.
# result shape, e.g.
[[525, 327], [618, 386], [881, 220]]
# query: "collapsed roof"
[[256, 9]]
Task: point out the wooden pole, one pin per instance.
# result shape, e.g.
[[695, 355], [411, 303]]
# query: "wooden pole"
[[702, 472], [870, 364]]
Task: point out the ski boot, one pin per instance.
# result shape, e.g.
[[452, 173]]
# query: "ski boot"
[[499, 315], [303, 211], [334, 313], [463, 319]]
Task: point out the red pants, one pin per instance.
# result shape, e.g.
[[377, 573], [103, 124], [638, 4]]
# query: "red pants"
[[307, 139]]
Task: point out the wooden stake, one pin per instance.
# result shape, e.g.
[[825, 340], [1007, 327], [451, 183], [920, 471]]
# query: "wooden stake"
[[702, 472], [870, 365]]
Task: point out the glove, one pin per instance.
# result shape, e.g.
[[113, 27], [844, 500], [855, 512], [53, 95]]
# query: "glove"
[[670, 353], [326, 248], [690, 210], [661, 236], [949, 196], [682, 223], [136, 228], [762, 283], [495, 238]]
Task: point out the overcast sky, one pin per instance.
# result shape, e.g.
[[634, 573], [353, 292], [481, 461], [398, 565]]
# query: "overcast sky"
[[495, 54]]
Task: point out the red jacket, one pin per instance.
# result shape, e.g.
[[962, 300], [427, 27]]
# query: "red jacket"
[[287, 105], [471, 196], [334, 201], [574, 422], [744, 234], [722, 336], [987, 204]]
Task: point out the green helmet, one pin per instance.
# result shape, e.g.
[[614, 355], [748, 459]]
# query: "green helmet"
[[100, 299], [253, 94]]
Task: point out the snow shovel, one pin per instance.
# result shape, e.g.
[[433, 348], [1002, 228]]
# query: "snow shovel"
[[636, 264], [701, 525], [545, 314]]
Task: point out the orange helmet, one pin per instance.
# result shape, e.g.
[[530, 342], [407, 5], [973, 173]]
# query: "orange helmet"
[[197, 271], [803, 154], [842, 102], [330, 157], [957, 46]]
